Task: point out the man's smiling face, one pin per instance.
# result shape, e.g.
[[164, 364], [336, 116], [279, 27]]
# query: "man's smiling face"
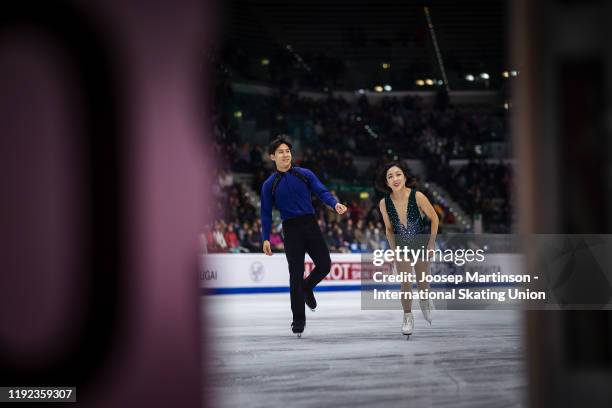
[[282, 157]]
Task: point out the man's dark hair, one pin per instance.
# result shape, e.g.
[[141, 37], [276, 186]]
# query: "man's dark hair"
[[277, 142]]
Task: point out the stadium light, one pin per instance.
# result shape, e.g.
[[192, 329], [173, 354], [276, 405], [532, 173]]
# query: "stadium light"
[[506, 74], [429, 82], [386, 65], [440, 82], [361, 91], [388, 88], [378, 88], [265, 61], [469, 77], [514, 73], [238, 114], [420, 82], [484, 75], [370, 131]]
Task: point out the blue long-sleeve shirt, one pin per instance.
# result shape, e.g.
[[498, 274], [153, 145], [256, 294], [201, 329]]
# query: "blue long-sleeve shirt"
[[292, 197]]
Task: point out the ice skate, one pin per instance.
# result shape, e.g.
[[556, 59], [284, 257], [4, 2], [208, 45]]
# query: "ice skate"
[[309, 299], [297, 327], [426, 308], [408, 324]]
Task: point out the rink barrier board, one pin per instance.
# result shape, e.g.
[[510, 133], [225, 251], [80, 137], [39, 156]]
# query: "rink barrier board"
[[340, 288], [259, 273]]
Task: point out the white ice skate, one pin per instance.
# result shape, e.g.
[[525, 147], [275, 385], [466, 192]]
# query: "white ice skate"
[[408, 324], [427, 308]]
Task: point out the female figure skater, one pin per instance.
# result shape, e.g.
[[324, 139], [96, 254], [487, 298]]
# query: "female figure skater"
[[401, 210]]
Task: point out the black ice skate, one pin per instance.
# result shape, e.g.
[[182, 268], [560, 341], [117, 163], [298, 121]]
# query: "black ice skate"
[[309, 299], [297, 327]]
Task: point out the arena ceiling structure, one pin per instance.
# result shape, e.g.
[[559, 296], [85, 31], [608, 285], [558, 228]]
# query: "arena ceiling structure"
[[360, 44]]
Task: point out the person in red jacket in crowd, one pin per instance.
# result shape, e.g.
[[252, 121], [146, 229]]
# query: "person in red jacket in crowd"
[[231, 238]]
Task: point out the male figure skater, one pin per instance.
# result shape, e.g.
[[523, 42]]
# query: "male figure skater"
[[289, 189]]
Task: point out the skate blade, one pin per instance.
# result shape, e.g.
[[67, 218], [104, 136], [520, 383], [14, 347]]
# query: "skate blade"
[[299, 335]]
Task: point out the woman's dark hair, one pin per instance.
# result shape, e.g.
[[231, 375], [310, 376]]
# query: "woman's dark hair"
[[381, 179], [282, 139]]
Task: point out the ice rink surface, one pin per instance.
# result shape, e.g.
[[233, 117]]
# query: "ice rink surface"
[[348, 357]]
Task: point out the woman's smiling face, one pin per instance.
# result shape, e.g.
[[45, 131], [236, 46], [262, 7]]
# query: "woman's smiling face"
[[396, 179]]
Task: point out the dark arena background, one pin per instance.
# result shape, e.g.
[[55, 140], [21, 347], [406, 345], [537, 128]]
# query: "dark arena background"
[[134, 150]]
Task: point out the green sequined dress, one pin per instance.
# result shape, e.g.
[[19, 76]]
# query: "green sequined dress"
[[412, 235]]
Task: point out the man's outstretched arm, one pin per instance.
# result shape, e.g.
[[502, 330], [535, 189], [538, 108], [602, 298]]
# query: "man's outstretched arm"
[[324, 195]]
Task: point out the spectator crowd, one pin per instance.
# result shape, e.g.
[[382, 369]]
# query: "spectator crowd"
[[328, 134]]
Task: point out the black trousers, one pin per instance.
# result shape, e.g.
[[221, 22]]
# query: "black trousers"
[[302, 235]]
